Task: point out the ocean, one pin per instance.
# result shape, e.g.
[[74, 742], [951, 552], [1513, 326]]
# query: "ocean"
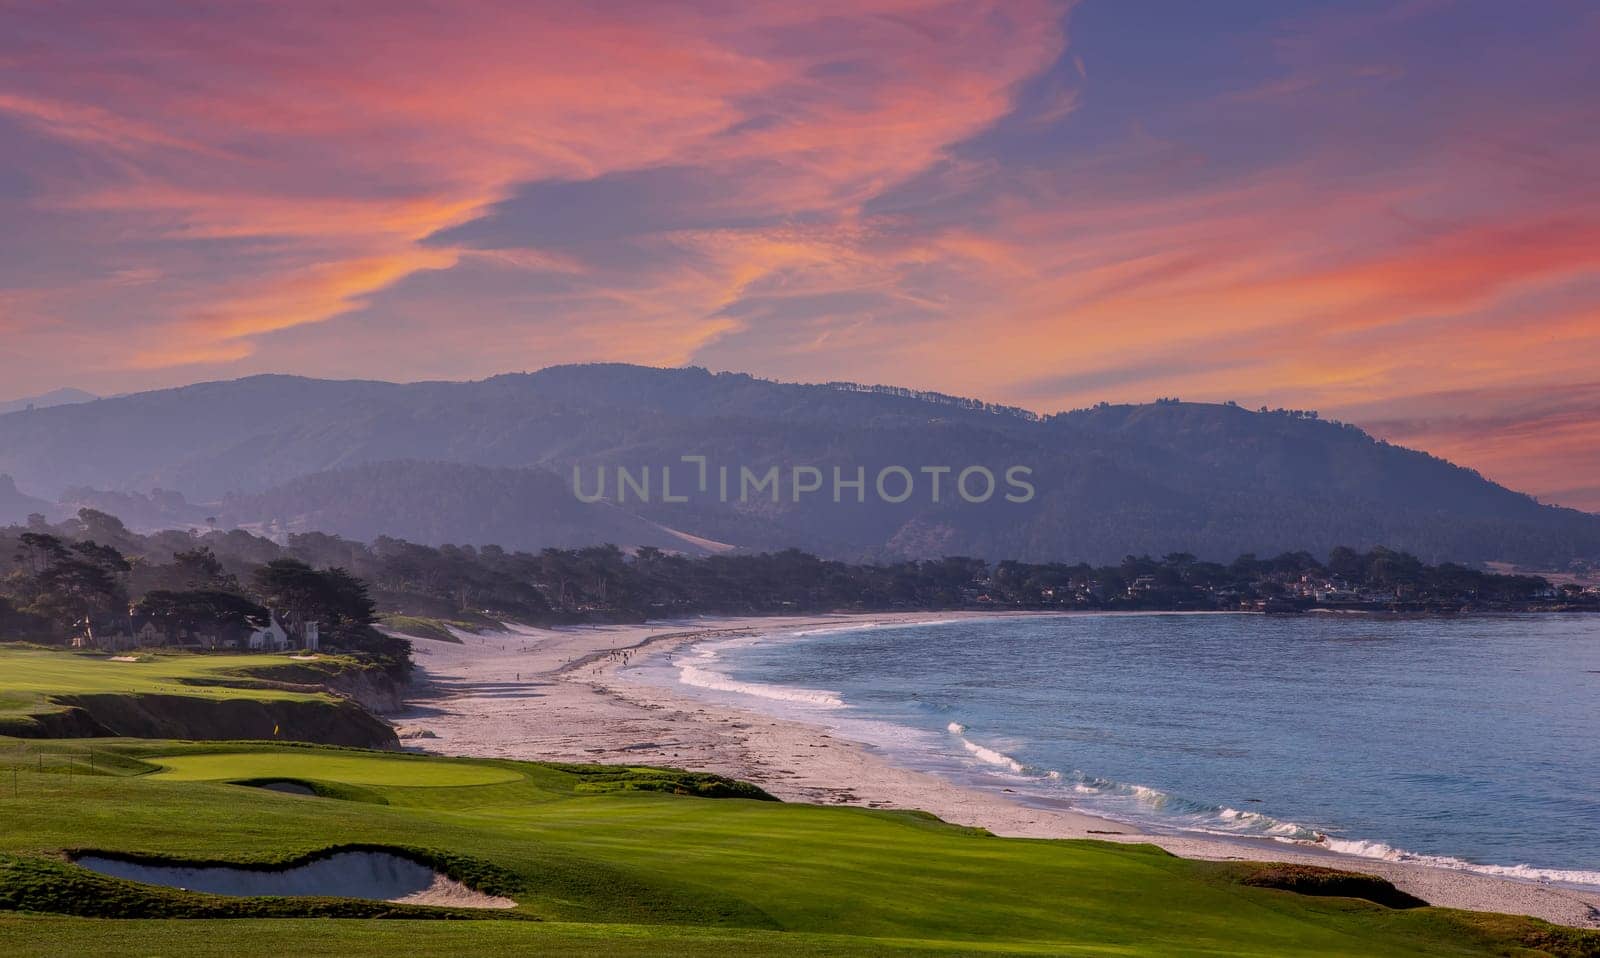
[[1469, 742]]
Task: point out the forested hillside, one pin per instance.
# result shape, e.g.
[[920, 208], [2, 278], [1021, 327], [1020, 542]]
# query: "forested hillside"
[[493, 462]]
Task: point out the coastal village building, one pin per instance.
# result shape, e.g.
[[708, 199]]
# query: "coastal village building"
[[275, 638], [132, 631], [270, 638]]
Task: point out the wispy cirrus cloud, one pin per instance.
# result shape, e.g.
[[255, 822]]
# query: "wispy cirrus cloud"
[[326, 151]]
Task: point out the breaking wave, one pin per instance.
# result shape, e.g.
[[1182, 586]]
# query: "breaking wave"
[[698, 672], [697, 668], [1142, 805], [868, 626], [1378, 850]]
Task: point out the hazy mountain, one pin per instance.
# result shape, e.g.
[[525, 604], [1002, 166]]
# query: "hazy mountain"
[[435, 503], [364, 458], [56, 397], [141, 511], [15, 507]]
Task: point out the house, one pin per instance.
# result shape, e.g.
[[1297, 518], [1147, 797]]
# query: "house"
[[275, 637], [269, 638], [118, 633], [146, 633], [1333, 595], [113, 633]]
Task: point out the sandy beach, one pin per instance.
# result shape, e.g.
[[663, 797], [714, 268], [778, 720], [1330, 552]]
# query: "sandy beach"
[[557, 694]]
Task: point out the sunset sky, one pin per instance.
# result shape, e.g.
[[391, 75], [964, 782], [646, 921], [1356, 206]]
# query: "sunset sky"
[[1387, 211]]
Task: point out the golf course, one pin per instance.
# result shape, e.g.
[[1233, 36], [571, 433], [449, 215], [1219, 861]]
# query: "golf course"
[[609, 860], [47, 693]]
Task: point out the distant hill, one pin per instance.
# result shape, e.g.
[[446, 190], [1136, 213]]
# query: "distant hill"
[[492, 462], [435, 503], [56, 397], [148, 511], [15, 507]]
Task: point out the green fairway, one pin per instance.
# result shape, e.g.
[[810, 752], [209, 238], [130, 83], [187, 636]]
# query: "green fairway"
[[350, 769], [612, 863], [46, 693], [31, 676]]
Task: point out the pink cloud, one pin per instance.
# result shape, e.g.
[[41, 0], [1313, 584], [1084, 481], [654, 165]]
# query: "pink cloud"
[[934, 193]]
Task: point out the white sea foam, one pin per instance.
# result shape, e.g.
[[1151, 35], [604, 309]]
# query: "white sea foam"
[[697, 669], [698, 672], [992, 757], [864, 627], [983, 753], [1140, 804], [708, 679], [1378, 850]]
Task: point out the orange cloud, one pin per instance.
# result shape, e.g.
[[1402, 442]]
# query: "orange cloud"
[[1545, 439], [338, 145]]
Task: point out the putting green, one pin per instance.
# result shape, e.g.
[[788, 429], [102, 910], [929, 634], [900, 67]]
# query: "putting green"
[[350, 769]]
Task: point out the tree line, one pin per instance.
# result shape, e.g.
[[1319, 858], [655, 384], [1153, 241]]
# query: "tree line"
[[54, 578], [59, 583]]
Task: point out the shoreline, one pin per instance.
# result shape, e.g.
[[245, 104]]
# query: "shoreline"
[[557, 694]]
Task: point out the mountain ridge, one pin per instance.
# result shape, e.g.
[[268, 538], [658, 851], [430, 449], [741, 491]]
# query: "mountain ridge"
[[64, 396], [1212, 479]]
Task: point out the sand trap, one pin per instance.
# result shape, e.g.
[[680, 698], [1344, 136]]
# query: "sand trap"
[[124, 658], [377, 876]]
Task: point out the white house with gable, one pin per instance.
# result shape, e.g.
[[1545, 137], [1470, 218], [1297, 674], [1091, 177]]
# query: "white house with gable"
[[269, 638]]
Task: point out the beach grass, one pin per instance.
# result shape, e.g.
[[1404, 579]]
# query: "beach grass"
[[624, 871], [428, 627]]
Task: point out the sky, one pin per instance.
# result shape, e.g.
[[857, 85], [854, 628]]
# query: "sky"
[[1385, 211]]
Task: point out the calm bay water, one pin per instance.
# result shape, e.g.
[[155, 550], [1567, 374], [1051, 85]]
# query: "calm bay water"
[[1473, 739]]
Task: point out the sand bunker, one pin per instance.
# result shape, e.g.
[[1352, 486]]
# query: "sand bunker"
[[377, 876], [288, 788]]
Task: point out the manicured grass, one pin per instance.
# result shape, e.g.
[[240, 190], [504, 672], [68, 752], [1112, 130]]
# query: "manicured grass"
[[350, 769], [46, 693], [323, 938], [31, 677], [619, 871]]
